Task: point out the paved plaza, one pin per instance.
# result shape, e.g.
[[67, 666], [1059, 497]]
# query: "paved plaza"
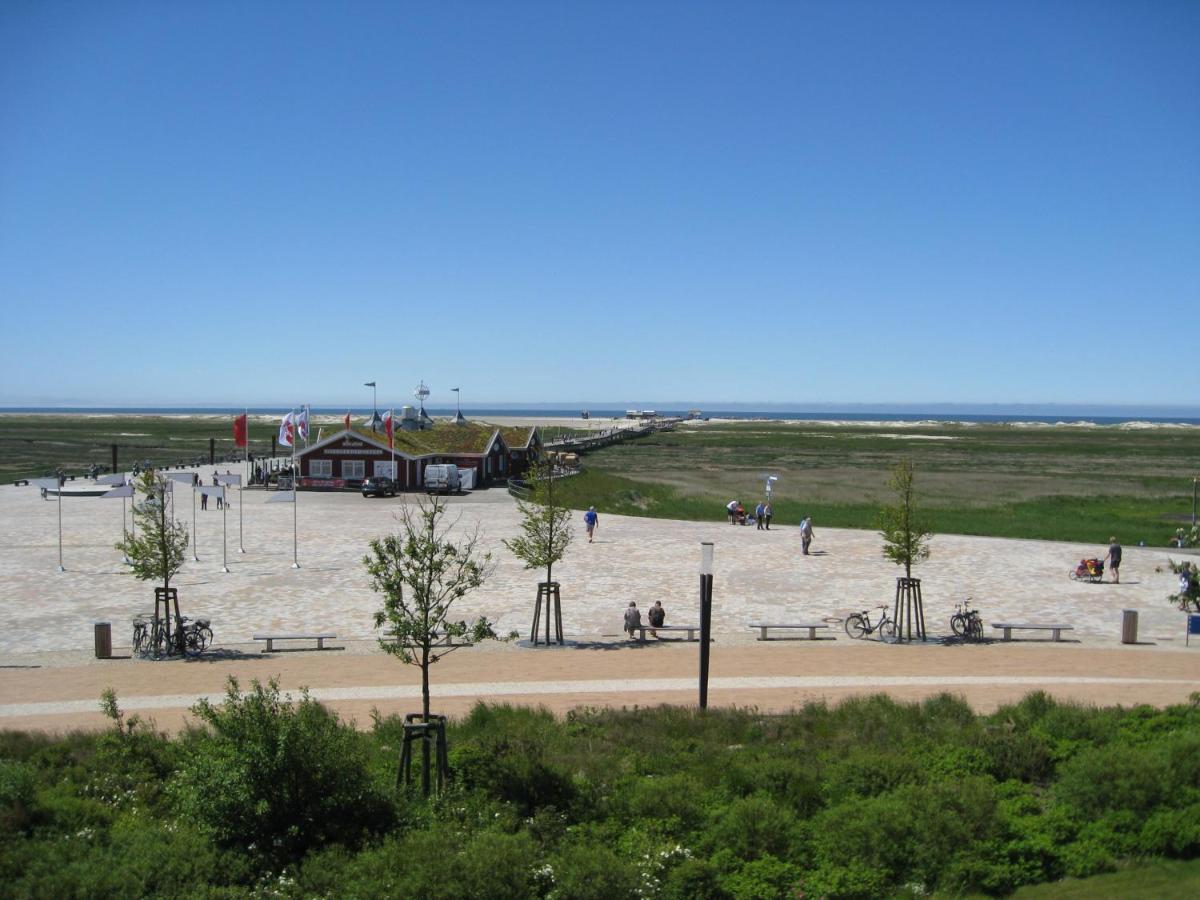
[[759, 576]]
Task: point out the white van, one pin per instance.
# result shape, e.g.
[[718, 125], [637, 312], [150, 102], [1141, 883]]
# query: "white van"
[[443, 478]]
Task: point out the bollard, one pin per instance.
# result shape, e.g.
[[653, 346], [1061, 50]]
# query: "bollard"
[[103, 640]]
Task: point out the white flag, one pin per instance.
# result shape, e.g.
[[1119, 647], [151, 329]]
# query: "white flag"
[[287, 431], [302, 424]]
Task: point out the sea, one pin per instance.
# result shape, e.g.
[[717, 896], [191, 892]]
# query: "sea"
[[1043, 414]]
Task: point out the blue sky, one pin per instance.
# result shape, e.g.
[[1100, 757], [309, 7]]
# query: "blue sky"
[[251, 203]]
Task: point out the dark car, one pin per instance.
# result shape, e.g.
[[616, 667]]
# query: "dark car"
[[378, 486]]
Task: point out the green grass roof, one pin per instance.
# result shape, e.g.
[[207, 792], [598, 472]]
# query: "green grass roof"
[[441, 438]]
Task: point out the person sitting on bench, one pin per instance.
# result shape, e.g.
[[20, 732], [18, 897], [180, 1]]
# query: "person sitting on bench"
[[656, 616]]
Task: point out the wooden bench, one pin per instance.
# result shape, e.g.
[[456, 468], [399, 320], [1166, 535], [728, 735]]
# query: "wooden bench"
[[764, 627], [690, 629], [320, 638], [1055, 630]]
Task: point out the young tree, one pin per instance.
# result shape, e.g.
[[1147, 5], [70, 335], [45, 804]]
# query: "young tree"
[[421, 572], [545, 525], [157, 549], [904, 532]]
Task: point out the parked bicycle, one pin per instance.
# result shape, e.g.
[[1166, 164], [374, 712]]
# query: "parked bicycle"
[[966, 622], [150, 636], [858, 625]]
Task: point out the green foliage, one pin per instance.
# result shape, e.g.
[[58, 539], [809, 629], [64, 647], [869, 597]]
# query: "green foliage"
[[545, 521], [421, 572], [157, 546], [869, 798], [904, 531], [276, 777]]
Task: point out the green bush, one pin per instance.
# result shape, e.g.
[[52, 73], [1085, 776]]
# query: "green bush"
[[276, 777]]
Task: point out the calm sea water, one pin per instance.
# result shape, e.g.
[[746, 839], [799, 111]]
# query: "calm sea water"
[[1106, 416]]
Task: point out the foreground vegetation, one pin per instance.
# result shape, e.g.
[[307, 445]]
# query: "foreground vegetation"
[[867, 799], [1051, 483]]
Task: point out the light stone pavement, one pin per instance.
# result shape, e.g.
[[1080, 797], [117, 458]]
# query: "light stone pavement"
[[759, 575]]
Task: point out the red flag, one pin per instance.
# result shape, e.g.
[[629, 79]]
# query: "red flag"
[[347, 420], [387, 427], [239, 431]]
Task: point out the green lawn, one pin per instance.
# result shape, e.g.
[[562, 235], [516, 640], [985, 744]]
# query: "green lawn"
[[1059, 483]]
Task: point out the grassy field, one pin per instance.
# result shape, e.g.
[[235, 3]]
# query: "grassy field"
[[1050, 482], [34, 445]]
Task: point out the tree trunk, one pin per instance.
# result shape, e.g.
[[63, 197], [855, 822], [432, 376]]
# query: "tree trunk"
[[425, 682]]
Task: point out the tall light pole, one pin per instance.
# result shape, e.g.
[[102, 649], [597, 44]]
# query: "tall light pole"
[[374, 403], [1195, 478], [458, 416], [706, 588]]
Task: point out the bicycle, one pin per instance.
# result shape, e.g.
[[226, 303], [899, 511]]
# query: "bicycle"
[[196, 636], [150, 636], [858, 625], [966, 623]]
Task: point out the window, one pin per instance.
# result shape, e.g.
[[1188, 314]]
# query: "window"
[[384, 467], [353, 468], [320, 468]]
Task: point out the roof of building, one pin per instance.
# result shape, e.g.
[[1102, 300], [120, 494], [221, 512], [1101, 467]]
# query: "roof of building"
[[518, 437], [440, 439]]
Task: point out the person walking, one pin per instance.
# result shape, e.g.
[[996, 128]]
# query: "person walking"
[[198, 482], [731, 508], [806, 534], [768, 512], [219, 501], [633, 619], [591, 521], [759, 515], [656, 615], [1113, 558]]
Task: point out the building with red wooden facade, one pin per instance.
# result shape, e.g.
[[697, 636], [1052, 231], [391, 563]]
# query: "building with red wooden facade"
[[345, 458]]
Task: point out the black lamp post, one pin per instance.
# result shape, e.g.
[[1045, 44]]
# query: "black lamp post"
[[706, 587]]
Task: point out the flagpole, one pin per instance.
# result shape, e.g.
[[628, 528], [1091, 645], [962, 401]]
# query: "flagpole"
[[224, 553], [392, 441], [61, 568], [195, 558], [245, 480], [295, 501], [124, 534]]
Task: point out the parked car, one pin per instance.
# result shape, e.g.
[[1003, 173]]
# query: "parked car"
[[378, 486], [442, 478]]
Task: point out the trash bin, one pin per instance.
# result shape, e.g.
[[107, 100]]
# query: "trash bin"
[[103, 640], [1129, 626]]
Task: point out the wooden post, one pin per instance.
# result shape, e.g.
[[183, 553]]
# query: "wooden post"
[[548, 593], [909, 609]]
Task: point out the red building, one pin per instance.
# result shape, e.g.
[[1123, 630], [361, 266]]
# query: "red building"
[[346, 457]]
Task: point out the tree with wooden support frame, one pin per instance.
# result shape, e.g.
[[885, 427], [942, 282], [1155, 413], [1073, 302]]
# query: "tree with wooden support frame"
[[545, 536], [421, 572], [156, 550], [906, 543]]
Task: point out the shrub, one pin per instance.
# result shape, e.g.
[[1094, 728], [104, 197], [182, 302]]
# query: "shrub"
[[1115, 777], [16, 795], [276, 777], [766, 878], [586, 870], [753, 826]]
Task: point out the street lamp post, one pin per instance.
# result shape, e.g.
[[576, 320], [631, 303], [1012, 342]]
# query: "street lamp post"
[[706, 588], [374, 403]]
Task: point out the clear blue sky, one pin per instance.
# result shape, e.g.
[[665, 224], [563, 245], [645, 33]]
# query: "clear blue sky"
[[232, 202]]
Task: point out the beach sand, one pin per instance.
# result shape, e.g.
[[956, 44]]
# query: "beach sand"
[[49, 678]]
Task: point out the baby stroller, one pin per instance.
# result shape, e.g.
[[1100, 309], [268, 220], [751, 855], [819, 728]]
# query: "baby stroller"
[[1089, 570]]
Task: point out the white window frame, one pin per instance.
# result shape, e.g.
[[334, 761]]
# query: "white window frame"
[[320, 468], [354, 468], [386, 467]]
